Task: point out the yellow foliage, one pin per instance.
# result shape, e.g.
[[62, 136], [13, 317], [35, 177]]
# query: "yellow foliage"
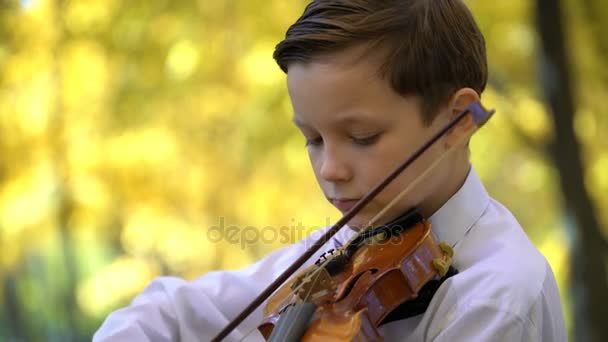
[[26, 200], [531, 117], [258, 68], [182, 60], [86, 76], [586, 126], [89, 15], [115, 283], [150, 147], [597, 177]]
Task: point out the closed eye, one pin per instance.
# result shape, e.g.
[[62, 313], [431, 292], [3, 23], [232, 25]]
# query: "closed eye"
[[366, 141], [314, 141]]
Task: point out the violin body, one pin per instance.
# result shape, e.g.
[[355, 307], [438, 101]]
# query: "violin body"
[[386, 270]]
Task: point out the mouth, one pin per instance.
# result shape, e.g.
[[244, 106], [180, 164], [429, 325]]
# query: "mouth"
[[343, 204]]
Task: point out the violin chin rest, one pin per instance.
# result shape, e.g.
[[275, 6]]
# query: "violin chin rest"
[[418, 305]]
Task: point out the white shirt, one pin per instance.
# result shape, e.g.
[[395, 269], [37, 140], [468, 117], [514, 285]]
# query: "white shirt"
[[504, 291]]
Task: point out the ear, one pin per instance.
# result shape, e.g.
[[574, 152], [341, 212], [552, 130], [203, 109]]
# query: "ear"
[[457, 104]]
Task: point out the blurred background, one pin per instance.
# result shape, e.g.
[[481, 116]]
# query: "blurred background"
[[133, 134]]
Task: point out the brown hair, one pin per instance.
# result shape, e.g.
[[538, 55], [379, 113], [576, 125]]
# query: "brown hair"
[[431, 48]]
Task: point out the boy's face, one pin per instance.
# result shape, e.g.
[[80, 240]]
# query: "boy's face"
[[358, 130]]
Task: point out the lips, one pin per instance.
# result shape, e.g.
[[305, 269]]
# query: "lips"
[[343, 204]]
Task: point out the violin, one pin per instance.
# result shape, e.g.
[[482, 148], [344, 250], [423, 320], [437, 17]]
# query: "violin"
[[383, 273], [345, 296]]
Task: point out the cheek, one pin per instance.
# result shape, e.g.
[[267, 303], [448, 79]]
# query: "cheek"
[[417, 179], [315, 162], [382, 168], [377, 166], [376, 170]]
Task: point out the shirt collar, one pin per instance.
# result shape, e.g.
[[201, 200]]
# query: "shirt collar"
[[454, 219]]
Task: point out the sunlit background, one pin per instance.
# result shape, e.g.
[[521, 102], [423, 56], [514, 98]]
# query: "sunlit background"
[[129, 129]]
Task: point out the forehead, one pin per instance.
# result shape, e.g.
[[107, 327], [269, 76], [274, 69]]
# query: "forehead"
[[355, 64], [341, 78], [345, 86]]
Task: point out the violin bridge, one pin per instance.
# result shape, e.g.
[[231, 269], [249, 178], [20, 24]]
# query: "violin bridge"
[[314, 286]]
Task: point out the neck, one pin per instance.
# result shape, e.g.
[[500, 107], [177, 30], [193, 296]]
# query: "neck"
[[445, 190]]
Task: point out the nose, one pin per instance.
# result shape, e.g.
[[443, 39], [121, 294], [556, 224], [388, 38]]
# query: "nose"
[[334, 167]]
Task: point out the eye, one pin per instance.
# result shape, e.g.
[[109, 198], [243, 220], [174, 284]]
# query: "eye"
[[314, 141], [367, 140]]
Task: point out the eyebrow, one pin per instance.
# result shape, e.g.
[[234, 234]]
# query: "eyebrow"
[[349, 119]]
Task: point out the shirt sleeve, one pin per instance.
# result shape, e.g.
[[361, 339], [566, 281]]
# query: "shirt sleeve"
[[484, 322], [172, 309]]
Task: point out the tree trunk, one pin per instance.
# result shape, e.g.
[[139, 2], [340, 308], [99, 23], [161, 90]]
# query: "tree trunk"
[[588, 281], [12, 308]]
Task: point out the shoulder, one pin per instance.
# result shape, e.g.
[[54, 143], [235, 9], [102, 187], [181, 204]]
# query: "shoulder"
[[497, 258], [501, 271]]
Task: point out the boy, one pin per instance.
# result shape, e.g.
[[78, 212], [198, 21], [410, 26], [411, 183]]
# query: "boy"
[[370, 81]]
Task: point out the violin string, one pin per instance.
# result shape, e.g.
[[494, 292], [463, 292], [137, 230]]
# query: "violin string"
[[415, 182], [317, 271], [410, 186]]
